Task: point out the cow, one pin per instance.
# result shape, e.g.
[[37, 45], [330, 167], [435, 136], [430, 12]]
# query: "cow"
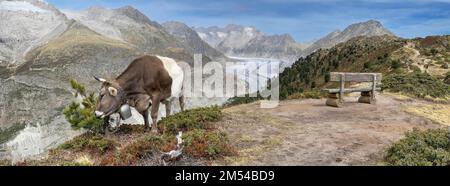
[[147, 82]]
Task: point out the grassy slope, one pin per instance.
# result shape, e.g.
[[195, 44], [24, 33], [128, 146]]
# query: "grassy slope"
[[132, 146], [74, 45], [384, 54]]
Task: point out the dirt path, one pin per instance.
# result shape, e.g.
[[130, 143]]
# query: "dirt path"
[[413, 57], [306, 132]]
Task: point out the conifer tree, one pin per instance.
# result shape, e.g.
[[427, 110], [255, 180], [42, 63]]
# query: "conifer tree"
[[83, 116]]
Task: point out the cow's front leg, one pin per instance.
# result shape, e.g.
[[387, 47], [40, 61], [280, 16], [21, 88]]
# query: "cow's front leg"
[[154, 113], [146, 122], [105, 125]]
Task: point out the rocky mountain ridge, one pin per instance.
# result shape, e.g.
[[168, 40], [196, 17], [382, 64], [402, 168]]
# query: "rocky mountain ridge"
[[247, 41], [189, 37], [26, 25], [369, 28]]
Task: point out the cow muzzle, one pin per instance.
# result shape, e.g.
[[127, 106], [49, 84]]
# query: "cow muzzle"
[[99, 114]]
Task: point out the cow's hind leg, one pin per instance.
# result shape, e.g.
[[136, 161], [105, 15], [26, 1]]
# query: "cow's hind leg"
[[168, 104], [142, 106], [154, 113], [181, 99]]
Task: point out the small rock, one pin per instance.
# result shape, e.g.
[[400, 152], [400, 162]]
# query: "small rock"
[[446, 66], [447, 80]]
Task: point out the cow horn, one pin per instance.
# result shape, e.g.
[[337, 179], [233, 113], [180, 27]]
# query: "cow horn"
[[99, 79]]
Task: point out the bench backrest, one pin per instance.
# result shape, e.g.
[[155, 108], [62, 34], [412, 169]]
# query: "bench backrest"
[[355, 77]]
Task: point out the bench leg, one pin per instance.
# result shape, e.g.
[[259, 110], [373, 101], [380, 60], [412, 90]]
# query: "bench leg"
[[333, 100], [366, 97]]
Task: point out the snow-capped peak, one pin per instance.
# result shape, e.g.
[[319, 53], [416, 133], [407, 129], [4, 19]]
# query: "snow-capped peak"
[[21, 6], [43, 1]]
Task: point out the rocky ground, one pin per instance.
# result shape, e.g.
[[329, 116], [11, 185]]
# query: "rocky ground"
[[306, 132]]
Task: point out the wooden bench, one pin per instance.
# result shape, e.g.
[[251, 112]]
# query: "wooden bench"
[[335, 96]]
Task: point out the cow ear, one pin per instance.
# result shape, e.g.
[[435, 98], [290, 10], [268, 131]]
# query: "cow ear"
[[112, 91]]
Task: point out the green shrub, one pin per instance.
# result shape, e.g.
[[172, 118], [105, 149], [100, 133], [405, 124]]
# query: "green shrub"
[[243, 99], [367, 65], [83, 116], [415, 69], [78, 87], [327, 78], [202, 143], [133, 152], [89, 141], [395, 64], [198, 143], [313, 94], [447, 78], [416, 84], [421, 148], [191, 119], [434, 51]]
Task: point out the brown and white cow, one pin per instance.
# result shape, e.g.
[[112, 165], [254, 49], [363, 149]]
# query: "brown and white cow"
[[148, 81]]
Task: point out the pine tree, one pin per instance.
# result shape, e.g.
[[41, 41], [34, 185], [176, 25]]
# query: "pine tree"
[[83, 117]]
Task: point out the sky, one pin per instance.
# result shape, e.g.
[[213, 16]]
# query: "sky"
[[305, 20]]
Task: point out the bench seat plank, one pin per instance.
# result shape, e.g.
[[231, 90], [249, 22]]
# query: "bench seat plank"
[[355, 77], [349, 90]]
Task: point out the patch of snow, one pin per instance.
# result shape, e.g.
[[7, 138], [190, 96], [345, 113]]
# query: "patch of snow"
[[20, 6], [249, 31], [43, 1], [222, 34], [202, 35]]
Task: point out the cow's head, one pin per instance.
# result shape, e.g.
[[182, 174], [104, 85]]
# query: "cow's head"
[[110, 98]]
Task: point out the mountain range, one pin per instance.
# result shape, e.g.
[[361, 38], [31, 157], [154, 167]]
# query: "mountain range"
[[247, 41], [189, 37], [369, 29]]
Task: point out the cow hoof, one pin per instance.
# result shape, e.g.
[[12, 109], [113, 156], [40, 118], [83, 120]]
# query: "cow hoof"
[[155, 131]]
